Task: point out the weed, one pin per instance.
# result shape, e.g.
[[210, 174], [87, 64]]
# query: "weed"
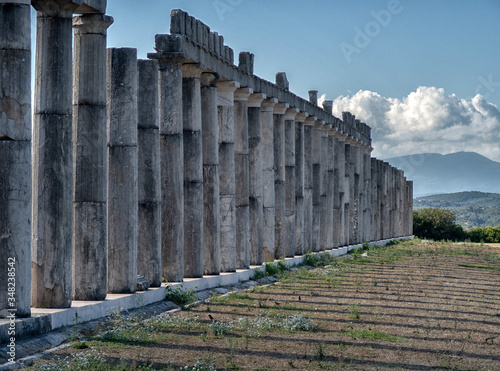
[[354, 311], [258, 274], [373, 335], [479, 267], [180, 296], [320, 352], [221, 328], [271, 269], [80, 345]]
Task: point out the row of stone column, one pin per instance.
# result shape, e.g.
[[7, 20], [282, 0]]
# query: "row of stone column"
[[162, 168]]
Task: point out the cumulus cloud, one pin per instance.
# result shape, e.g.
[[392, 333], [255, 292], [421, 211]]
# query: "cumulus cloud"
[[427, 120]]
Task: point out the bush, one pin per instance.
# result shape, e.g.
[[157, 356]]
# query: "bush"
[[437, 224], [487, 234]]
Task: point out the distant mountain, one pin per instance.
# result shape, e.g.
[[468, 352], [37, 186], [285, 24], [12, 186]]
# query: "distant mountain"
[[472, 209], [433, 173]]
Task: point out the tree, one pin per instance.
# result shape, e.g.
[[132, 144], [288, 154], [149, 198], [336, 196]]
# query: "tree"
[[437, 224]]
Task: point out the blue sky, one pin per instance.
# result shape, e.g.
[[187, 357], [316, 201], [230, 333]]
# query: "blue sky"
[[424, 74], [411, 69]]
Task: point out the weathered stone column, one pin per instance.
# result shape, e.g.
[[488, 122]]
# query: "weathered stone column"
[[211, 205], [325, 227], [15, 152], [330, 189], [122, 194], [317, 185], [255, 176], [348, 191], [289, 226], [410, 207], [193, 171], [52, 156], [89, 157], [149, 174], [171, 156], [339, 188], [225, 103], [242, 177], [367, 181], [268, 198], [385, 202], [374, 200], [354, 203], [279, 178], [308, 183], [299, 183]]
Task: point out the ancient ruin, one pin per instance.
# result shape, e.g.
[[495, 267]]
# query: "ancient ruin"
[[180, 166]]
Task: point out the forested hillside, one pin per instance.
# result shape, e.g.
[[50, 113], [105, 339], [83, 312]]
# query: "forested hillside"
[[472, 209]]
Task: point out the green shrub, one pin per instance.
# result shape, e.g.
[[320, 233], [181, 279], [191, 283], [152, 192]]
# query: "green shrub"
[[437, 224], [180, 296]]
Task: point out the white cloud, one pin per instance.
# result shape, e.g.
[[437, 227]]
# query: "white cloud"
[[427, 120]]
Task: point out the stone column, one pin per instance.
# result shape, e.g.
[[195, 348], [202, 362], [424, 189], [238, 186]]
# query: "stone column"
[[354, 203], [15, 152], [149, 174], [374, 201], [211, 205], [225, 103], [316, 185], [348, 191], [52, 156], [385, 202], [242, 177], [268, 198], [338, 185], [89, 157], [308, 183], [330, 189], [325, 227], [279, 179], [255, 176], [122, 192], [193, 170], [367, 211], [171, 157], [410, 207], [289, 226], [299, 183]]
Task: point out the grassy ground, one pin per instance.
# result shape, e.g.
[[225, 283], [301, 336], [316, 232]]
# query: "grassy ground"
[[416, 305]]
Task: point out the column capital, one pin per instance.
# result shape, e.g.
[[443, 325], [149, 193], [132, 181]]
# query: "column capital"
[[225, 92], [209, 79], [268, 104], [255, 99], [301, 116], [326, 127], [291, 113], [309, 121], [57, 8], [280, 108], [169, 50], [242, 93], [191, 71], [92, 24], [319, 123]]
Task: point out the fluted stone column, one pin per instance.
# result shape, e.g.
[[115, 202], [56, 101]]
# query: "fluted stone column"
[[299, 183], [330, 189], [193, 171], [171, 158], [289, 226], [122, 194], [367, 181], [268, 198], [242, 177], [211, 205], [374, 200], [316, 185], [385, 202], [255, 177], [325, 227], [279, 179], [308, 183], [339, 186], [52, 156], [89, 157], [410, 207], [348, 191], [149, 174], [15, 152], [354, 202], [225, 103]]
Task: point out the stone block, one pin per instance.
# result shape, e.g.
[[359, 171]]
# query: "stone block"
[[282, 81], [241, 179], [142, 283], [89, 149], [91, 7], [178, 22], [149, 243], [246, 62], [15, 94], [193, 159], [227, 233], [227, 169]]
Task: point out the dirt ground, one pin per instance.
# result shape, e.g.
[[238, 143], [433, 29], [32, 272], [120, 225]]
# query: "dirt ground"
[[412, 306]]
